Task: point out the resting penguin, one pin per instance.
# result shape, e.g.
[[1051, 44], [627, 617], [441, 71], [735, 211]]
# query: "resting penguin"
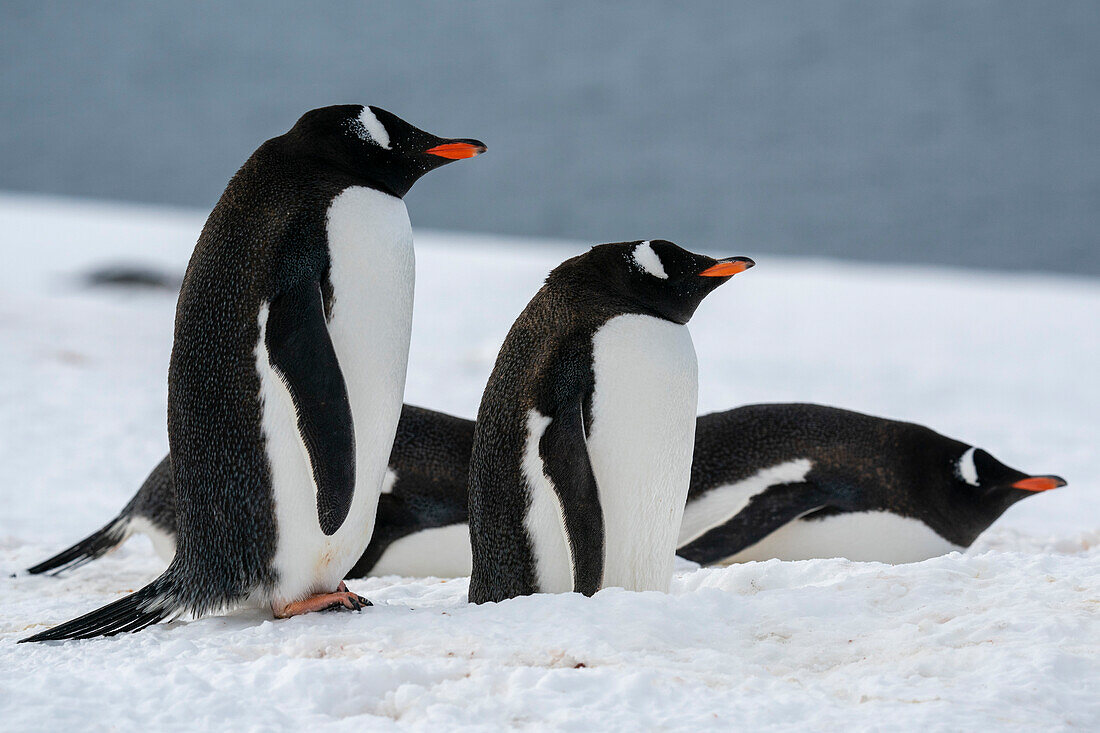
[[287, 370], [801, 481], [582, 449], [422, 504], [421, 528], [880, 490], [424, 490], [152, 512]]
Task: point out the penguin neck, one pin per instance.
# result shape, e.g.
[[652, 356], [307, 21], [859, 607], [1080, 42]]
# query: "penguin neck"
[[593, 302], [594, 291], [388, 177]]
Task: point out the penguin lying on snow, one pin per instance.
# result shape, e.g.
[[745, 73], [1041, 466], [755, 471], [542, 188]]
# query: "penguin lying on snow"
[[421, 528], [801, 481], [424, 489], [287, 370], [582, 450]]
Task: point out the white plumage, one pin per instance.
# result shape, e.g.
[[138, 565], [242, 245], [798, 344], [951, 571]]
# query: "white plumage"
[[545, 520], [860, 536], [640, 444], [371, 271]]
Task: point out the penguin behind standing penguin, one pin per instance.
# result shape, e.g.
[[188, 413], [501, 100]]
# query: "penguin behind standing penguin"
[[421, 527], [785, 481], [939, 492], [424, 490], [151, 511], [287, 371], [582, 449]]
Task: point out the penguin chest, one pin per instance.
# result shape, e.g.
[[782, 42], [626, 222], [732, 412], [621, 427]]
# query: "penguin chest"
[[640, 443], [867, 536], [371, 273]]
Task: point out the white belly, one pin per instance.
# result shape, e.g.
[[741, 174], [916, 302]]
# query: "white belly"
[[370, 246], [860, 536], [440, 552], [641, 442], [164, 544]]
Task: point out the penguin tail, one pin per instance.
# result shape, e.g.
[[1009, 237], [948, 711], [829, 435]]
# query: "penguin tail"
[[95, 545], [140, 609]]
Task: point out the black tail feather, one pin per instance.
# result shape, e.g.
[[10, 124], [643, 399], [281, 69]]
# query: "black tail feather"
[[143, 608], [95, 545]]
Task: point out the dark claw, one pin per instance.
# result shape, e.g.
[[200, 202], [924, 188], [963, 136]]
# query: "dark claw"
[[358, 602], [351, 602]]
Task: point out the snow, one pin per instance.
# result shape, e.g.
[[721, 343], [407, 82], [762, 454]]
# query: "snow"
[[1002, 637]]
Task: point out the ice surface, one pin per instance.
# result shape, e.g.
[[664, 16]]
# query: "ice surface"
[[1005, 636]]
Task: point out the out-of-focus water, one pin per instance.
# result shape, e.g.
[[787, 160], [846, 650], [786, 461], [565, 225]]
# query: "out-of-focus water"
[[949, 132]]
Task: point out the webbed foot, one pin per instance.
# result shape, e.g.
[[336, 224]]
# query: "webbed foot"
[[341, 599]]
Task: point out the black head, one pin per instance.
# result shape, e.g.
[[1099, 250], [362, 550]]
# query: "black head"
[[981, 488], [374, 146], [982, 474], [654, 277]]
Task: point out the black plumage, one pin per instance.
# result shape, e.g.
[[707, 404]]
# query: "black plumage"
[[870, 463], [545, 366], [860, 463], [265, 243]]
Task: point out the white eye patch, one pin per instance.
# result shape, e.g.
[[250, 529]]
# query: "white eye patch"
[[966, 469], [647, 259], [370, 128]]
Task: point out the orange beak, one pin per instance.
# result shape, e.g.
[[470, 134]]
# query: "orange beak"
[[456, 151], [728, 268], [1039, 483]]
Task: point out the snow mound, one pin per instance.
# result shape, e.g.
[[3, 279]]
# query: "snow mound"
[[1005, 636]]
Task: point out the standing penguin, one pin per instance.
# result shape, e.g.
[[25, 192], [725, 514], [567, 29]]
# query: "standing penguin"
[[582, 450], [287, 371]]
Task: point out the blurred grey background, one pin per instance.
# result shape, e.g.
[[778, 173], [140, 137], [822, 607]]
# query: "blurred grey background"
[[963, 133]]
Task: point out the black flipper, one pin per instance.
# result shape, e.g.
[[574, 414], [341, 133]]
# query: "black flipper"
[[143, 608], [766, 512], [301, 351], [97, 544], [564, 454]]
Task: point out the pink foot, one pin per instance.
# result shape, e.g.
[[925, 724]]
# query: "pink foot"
[[342, 598]]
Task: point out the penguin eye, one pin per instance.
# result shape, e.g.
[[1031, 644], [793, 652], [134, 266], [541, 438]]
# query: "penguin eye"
[[647, 260]]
